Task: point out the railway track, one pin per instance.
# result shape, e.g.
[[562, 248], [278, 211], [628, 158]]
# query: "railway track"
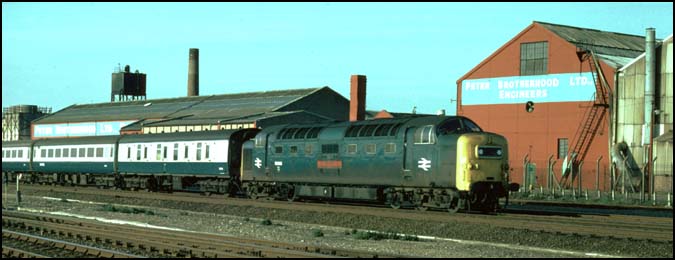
[[589, 225], [23, 245], [156, 243]]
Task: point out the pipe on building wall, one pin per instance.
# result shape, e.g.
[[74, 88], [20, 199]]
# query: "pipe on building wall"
[[650, 77]]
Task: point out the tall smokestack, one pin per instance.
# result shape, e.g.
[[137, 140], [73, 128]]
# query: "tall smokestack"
[[357, 98], [193, 73]]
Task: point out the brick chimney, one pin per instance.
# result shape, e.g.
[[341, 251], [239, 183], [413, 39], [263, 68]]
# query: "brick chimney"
[[357, 98], [193, 73]]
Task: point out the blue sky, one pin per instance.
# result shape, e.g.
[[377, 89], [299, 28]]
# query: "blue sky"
[[59, 54]]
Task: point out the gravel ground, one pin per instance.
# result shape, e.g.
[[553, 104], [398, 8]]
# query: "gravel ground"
[[298, 226]]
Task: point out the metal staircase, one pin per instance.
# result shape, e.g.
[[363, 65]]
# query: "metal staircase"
[[593, 117]]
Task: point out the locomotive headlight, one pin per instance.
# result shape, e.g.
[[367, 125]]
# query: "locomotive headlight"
[[480, 151], [499, 152]]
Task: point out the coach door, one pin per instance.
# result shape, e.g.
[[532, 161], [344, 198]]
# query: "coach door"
[[423, 156]]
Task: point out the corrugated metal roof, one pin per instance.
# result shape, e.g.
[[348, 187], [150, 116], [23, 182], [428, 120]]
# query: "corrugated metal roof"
[[204, 107], [615, 49], [601, 42]]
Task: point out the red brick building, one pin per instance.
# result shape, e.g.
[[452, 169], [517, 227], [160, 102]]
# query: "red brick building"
[[541, 65]]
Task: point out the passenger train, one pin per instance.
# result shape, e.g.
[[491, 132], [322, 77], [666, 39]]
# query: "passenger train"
[[442, 162]]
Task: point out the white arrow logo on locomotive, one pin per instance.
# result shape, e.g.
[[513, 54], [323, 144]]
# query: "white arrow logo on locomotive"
[[424, 164], [258, 162]]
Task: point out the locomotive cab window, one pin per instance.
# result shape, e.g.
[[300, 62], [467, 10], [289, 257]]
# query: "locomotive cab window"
[[470, 126], [425, 135]]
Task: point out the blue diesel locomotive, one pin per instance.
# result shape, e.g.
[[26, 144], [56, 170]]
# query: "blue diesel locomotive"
[[443, 162]]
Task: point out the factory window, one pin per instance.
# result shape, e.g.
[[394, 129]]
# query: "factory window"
[[57, 153], [329, 148], [199, 151], [138, 153], [99, 152], [533, 58], [371, 148], [278, 149], [175, 152], [294, 150], [390, 148], [351, 148], [65, 152], [206, 152], [563, 146], [73, 152]]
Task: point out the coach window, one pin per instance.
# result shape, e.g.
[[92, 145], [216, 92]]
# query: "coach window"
[[57, 153], [175, 152], [145, 152], [187, 149], [199, 151], [159, 152], [13, 153], [20, 153], [99, 152], [138, 152], [90, 152], [129, 152], [73, 152], [165, 151], [50, 153], [65, 152], [206, 151]]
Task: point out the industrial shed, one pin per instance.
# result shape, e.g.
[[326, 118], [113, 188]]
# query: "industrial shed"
[[549, 91], [194, 113]]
